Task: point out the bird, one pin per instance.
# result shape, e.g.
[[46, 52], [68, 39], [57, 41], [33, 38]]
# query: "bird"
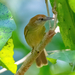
[[34, 32]]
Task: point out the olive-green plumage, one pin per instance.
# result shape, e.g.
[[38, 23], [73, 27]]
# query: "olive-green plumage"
[[34, 33]]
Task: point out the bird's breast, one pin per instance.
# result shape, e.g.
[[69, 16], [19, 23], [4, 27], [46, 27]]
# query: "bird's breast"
[[35, 36]]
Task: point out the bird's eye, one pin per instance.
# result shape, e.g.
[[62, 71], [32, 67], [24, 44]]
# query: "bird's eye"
[[41, 19]]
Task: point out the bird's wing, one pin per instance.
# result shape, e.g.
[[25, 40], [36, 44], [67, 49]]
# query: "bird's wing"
[[25, 31]]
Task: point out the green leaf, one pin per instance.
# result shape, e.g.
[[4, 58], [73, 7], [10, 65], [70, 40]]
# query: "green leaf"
[[66, 22], [53, 61], [56, 43], [45, 70], [52, 2], [4, 12], [6, 57], [2, 1], [7, 25], [67, 56], [72, 4], [72, 73]]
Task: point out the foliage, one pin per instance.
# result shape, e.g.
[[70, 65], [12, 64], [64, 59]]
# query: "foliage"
[[65, 15], [72, 4], [66, 22], [7, 25], [6, 57], [67, 56]]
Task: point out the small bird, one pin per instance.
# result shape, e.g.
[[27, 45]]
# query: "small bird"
[[34, 33]]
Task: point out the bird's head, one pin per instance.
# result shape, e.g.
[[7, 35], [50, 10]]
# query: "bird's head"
[[39, 19]]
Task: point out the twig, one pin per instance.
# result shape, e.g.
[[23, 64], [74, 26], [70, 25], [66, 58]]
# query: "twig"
[[18, 62], [55, 21], [24, 59], [53, 51], [46, 1], [32, 56]]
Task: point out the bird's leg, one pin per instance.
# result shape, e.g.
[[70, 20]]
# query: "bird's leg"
[[33, 49]]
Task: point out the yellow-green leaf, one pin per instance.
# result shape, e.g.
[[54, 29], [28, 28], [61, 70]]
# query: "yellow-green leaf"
[[72, 4], [53, 61], [66, 21], [6, 57]]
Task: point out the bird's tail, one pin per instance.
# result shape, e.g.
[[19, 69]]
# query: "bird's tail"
[[41, 59]]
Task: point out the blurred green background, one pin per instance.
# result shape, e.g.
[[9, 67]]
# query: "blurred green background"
[[22, 11]]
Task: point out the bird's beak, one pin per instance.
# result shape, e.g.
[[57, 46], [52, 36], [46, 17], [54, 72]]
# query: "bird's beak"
[[48, 18]]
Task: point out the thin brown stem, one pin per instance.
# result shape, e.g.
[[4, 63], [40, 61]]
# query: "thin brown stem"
[[55, 22], [46, 1], [32, 56]]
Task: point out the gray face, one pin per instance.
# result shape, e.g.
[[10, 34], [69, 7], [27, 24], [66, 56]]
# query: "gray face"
[[45, 18], [41, 20]]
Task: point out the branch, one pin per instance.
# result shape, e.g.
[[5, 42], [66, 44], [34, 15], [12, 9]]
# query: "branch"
[[22, 60], [46, 1], [18, 63], [47, 7], [32, 56], [55, 22]]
